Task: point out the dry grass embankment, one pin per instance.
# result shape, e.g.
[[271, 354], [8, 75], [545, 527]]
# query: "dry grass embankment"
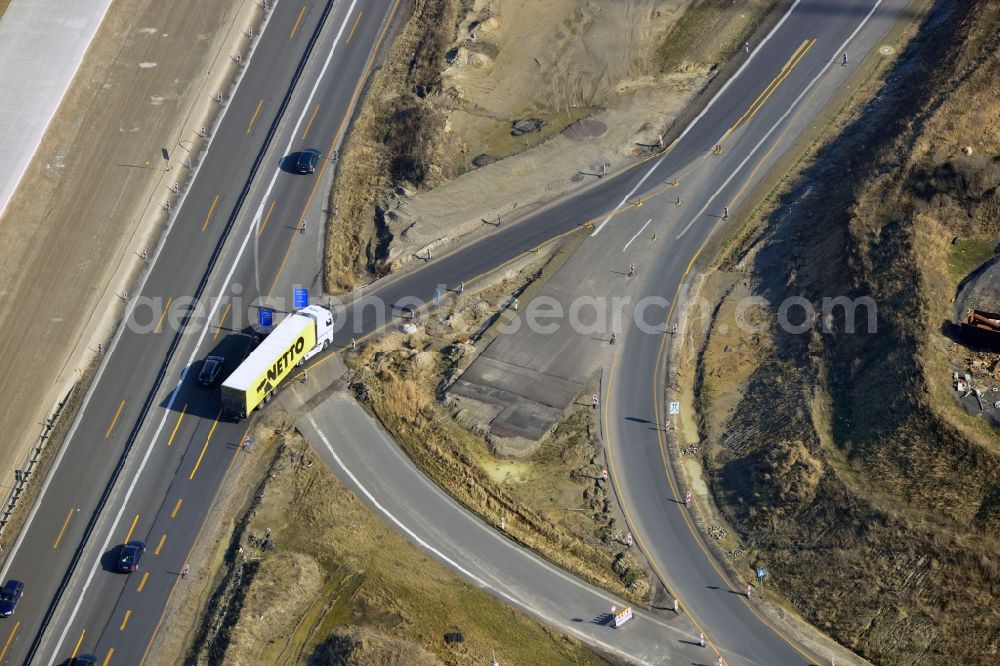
[[845, 462], [686, 45], [311, 575], [392, 139]]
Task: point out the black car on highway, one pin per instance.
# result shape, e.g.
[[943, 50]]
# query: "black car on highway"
[[9, 596], [85, 660], [306, 163], [128, 559], [211, 370]]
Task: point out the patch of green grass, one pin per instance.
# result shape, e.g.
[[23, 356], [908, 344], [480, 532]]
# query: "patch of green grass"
[[967, 255]]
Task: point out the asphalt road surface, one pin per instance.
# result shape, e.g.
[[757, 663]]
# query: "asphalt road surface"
[[148, 453]]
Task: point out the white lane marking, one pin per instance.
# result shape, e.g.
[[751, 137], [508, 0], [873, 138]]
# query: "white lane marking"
[[251, 231], [780, 120], [636, 234], [458, 567], [708, 106]]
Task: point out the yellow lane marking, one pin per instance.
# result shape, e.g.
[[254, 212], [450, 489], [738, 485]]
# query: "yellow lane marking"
[[771, 87], [657, 406], [142, 583], [114, 420], [309, 124], [354, 99], [253, 118], [173, 433], [354, 27], [163, 538], [612, 470], [388, 22], [163, 315], [9, 639], [107, 660], [131, 529], [263, 225], [173, 586], [785, 76], [305, 208], [173, 514], [763, 160], [222, 319], [128, 614], [295, 28], [79, 642], [658, 418], [211, 209], [205, 447], [69, 517]]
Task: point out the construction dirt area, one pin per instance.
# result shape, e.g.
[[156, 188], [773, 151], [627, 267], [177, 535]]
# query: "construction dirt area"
[[72, 234], [841, 455], [509, 105]]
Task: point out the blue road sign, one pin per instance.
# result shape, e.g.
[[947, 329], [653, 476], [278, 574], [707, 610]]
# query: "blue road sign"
[[300, 298], [761, 572], [264, 317]]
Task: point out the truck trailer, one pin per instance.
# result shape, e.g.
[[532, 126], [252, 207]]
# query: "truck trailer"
[[300, 336]]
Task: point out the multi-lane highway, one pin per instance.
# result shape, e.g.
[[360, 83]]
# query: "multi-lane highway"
[[148, 452]]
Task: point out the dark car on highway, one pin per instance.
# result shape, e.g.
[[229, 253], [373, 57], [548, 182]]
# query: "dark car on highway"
[[9, 596], [211, 370], [306, 163], [128, 560], [85, 660]]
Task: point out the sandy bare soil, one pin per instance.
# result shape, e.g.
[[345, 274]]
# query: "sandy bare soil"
[[90, 201], [587, 70], [503, 105]]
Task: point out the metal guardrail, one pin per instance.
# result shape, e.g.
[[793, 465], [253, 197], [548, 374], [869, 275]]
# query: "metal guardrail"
[[24, 473]]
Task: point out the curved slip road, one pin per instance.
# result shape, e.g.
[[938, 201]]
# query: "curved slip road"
[[375, 468]]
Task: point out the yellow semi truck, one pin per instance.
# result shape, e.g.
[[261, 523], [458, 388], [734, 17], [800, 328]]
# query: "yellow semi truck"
[[300, 336]]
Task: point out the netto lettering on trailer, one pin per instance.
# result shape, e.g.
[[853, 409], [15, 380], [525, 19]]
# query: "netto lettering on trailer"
[[281, 367]]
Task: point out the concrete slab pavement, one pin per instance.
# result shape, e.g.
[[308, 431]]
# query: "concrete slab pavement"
[[42, 44], [530, 374]]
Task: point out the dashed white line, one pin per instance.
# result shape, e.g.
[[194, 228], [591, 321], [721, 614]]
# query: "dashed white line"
[[637, 234]]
